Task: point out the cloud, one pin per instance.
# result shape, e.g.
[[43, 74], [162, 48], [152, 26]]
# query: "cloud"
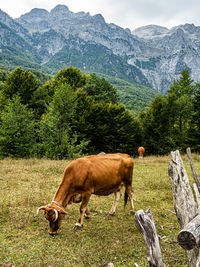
[[166, 13]]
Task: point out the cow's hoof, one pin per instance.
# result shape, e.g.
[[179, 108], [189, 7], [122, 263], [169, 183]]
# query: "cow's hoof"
[[132, 212], [77, 227], [95, 211], [52, 233]]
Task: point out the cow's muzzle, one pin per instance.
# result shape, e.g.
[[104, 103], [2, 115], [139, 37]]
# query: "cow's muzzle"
[[53, 233]]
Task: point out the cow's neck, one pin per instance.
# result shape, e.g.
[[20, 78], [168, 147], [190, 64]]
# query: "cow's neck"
[[64, 192], [62, 195]]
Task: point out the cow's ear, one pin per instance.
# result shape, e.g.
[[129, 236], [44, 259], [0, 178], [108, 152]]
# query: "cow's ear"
[[62, 211]]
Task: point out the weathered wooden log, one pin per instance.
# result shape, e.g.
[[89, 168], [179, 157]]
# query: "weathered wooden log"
[[189, 237], [184, 203], [145, 224], [193, 168], [196, 191]]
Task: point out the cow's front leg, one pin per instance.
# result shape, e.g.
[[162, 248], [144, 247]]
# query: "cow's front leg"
[[83, 207], [117, 197]]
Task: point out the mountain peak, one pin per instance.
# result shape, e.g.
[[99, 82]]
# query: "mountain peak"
[[4, 15], [99, 17], [36, 12], [190, 28], [150, 31], [60, 9]]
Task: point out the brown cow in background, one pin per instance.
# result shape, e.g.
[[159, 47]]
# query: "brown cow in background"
[[96, 174], [141, 151]]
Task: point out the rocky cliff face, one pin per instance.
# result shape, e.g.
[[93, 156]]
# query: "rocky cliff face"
[[82, 25], [150, 55], [175, 49]]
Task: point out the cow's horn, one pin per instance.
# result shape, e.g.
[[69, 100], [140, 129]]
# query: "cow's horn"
[[40, 208], [56, 212]]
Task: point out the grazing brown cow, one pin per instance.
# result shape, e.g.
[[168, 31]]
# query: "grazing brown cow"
[[141, 151], [96, 174]]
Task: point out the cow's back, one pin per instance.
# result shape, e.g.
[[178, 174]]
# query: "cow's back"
[[106, 173]]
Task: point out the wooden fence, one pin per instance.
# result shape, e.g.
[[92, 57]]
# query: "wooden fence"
[[187, 211]]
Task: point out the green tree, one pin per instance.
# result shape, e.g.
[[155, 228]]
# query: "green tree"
[[41, 99], [71, 76], [3, 75], [166, 122], [194, 126], [180, 99], [82, 110], [109, 127], [183, 86], [58, 141], [22, 83], [155, 123], [100, 89], [3, 103], [17, 130]]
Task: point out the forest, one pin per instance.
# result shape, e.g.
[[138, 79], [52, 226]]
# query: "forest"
[[73, 114]]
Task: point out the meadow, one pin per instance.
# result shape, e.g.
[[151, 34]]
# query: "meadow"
[[27, 184]]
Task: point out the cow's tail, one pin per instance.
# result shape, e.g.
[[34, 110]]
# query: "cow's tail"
[[125, 198]]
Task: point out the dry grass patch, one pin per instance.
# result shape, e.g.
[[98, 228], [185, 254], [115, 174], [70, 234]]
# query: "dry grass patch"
[[27, 184]]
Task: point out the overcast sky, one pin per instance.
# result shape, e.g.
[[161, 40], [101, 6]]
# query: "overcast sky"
[[125, 13]]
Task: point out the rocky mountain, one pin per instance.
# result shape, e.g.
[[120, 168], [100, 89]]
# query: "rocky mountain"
[[172, 50], [152, 55], [150, 31]]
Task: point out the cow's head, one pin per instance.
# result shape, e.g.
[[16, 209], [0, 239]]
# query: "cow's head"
[[54, 216], [141, 151]]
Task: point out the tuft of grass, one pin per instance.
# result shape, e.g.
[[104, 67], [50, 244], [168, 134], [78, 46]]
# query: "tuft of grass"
[[24, 240]]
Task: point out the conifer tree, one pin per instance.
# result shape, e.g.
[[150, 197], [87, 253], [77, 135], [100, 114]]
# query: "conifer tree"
[[17, 130], [22, 83]]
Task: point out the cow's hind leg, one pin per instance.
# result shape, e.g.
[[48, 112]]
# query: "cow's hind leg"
[[117, 197], [87, 213], [129, 192], [83, 207]]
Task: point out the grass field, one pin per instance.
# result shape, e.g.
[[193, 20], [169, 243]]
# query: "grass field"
[[24, 240]]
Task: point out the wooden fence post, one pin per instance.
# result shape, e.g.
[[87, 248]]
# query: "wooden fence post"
[[184, 204], [189, 237], [193, 169], [145, 224]]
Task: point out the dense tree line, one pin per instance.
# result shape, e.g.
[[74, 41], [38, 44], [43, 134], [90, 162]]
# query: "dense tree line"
[[74, 114], [172, 121], [68, 116]]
